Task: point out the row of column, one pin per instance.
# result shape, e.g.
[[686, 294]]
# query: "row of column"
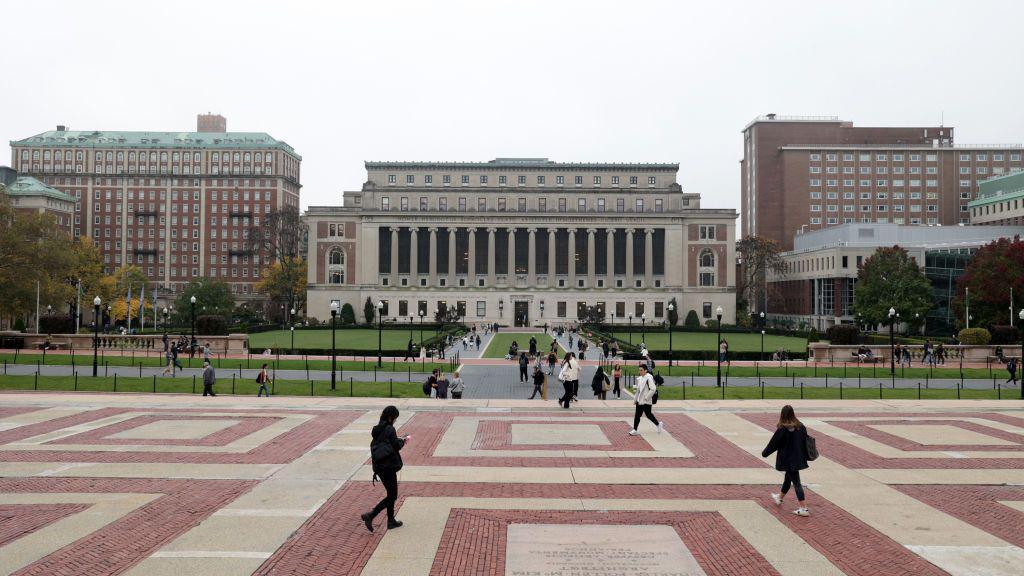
[[648, 234]]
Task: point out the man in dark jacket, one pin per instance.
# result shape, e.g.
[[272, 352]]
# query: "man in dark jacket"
[[524, 365], [209, 379], [385, 454]]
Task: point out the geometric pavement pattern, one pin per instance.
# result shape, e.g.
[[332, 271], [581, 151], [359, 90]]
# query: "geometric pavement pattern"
[[153, 485]]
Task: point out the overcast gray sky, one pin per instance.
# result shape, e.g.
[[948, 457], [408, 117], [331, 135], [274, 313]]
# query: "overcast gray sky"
[[572, 81]]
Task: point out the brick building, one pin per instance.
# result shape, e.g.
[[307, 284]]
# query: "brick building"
[[176, 204], [522, 241], [1000, 201], [809, 173]]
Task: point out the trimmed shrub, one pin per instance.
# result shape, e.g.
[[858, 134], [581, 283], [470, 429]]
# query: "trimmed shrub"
[[1005, 335], [56, 324], [974, 336], [19, 325], [692, 321], [812, 335], [842, 334], [211, 325], [347, 315]]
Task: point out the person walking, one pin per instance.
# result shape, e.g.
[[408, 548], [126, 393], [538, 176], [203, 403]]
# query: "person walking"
[[600, 384], [926, 359], [169, 369], [1011, 367], [615, 349], [616, 377], [457, 386], [604, 349], [723, 350], [552, 360], [569, 374], [209, 379], [386, 459], [789, 442], [524, 365], [538, 383], [206, 353], [644, 400], [261, 379], [409, 351], [533, 346]]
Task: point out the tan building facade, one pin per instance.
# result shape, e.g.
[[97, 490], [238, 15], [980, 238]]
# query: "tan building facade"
[[26, 194], [523, 242], [176, 204]]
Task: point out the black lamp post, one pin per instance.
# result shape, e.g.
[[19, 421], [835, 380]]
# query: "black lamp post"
[[165, 325], [334, 358], [671, 309], [892, 342], [630, 329], [718, 349], [541, 308], [643, 329], [292, 318], [501, 306], [422, 314], [192, 301], [380, 333], [95, 335], [411, 324]]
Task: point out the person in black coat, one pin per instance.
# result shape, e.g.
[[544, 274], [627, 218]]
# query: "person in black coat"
[[385, 454], [790, 446], [524, 365]]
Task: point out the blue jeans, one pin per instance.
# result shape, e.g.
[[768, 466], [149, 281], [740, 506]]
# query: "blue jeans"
[[263, 388]]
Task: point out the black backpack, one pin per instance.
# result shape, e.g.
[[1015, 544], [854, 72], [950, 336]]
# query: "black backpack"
[[427, 387]]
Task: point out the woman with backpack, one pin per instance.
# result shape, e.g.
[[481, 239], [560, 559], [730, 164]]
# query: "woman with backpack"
[[457, 386], [646, 390], [385, 455], [790, 445]]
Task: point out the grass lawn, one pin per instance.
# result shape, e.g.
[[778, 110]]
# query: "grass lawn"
[[350, 338], [153, 359], [185, 385], [851, 371], [499, 344], [831, 393], [738, 342]]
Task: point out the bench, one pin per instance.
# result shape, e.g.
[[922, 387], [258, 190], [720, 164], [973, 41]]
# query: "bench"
[[869, 360]]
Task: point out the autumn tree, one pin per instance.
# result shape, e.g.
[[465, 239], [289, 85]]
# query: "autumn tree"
[[760, 257], [890, 278], [280, 284], [213, 297], [993, 271]]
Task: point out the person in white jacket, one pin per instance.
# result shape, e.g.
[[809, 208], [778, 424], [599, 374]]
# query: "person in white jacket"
[[569, 374], [645, 389]]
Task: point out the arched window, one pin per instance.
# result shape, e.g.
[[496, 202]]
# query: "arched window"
[[706, 272], [336, 266]]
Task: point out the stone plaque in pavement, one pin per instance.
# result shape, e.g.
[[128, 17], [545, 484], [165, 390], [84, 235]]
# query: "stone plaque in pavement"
[[597, 550]]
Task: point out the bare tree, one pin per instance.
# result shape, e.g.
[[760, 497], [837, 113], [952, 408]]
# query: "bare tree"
[[278, 241], [760, 256]]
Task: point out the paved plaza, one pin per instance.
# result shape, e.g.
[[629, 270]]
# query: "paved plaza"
[[176, 484]]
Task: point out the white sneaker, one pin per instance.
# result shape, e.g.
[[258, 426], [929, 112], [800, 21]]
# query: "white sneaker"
[[802, 512], [661, 427], [777, 498], [634, 433]]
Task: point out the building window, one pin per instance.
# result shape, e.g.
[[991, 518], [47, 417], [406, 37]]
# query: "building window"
[[392, 178], [385, 203], [502, 180], [597, 180], [561, 309], [561, 205], [446, 179], [615, 180], [522, 204], [404, 203], [481, 308], [707, 232], [542, 204], [465, 180], [600, 204], [581, 205], [442, 203], [481, 204], [501, 204], [336, 267]]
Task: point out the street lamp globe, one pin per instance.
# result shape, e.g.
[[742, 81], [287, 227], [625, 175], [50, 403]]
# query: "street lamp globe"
[[671, 307], [892, 312], [762, 315], [192, 299], [718, 311], [380, 305], [1021, 314], [293, 311], [96, 301]]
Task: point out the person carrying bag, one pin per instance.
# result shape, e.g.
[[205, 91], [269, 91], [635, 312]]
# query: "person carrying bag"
[[386, 458]]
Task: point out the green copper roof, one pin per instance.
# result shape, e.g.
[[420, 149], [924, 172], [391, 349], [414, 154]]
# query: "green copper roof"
[[520, 164], [214, 140], [29, 186]]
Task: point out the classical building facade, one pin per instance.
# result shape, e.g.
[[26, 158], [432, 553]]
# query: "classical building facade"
[[26, 194], [1000, 201], [802, 173], [522, 241], [176, 204]]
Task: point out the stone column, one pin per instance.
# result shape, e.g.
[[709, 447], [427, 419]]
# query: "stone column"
[[490, 257], [610, 272], [394, 256], [433, 257], [451, 256], [629, 257], [572, 257], [531, 264], [511, 256], [414, 255], [591, 258], [551, 257], [472, 256], [649, 257]]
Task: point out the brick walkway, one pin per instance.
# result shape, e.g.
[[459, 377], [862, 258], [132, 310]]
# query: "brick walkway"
[[94, 484]]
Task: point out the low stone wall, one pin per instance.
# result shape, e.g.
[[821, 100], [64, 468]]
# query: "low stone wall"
[[230, 344], [821, 352]]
